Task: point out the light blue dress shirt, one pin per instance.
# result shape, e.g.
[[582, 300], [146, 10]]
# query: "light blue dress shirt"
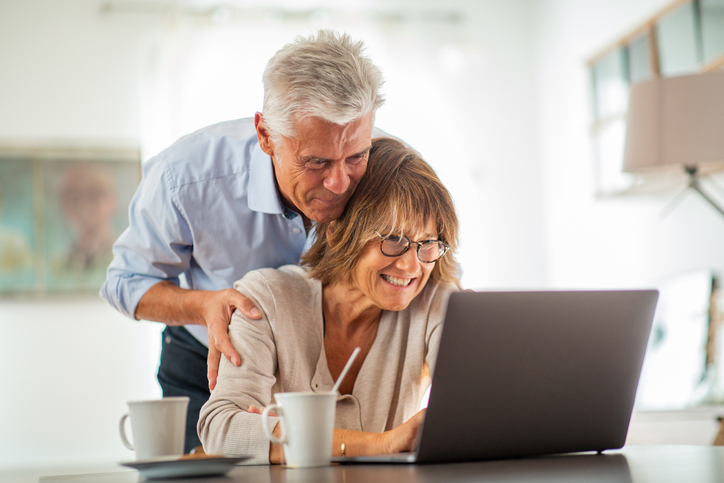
[[207, 211]]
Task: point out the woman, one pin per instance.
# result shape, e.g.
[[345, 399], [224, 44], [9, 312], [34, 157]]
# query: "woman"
[[377, 278]]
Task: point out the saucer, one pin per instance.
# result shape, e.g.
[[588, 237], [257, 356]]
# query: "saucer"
[[176, 467]]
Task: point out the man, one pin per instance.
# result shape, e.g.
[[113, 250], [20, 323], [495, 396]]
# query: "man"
[[238, 196]]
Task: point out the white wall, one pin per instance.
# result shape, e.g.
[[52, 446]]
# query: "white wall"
[[68, 71], [68, 367], [68, 364]]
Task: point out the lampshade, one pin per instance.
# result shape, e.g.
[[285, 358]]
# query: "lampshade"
[[675, 122]]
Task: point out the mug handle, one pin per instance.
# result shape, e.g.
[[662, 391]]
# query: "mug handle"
[[265, 424], [123, 432]]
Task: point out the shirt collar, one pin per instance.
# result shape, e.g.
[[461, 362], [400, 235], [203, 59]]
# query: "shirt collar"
[[263, 194]]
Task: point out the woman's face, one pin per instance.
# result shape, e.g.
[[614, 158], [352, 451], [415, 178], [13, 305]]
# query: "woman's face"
[[391, 283]]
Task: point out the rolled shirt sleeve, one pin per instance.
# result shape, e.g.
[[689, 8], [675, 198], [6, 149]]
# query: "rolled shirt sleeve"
[[156, 246]]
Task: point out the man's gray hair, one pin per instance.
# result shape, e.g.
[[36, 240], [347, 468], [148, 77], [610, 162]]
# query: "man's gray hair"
[[326, 76]]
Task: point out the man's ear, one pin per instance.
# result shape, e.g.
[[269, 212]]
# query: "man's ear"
[[262, 133]]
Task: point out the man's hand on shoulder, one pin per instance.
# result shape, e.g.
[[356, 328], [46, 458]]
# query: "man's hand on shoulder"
[[217, 312], [172, 305]]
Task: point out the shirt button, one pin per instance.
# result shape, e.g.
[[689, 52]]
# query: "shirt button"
[[296, 231]]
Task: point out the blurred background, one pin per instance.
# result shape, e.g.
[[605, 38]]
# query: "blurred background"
[[497, 95]]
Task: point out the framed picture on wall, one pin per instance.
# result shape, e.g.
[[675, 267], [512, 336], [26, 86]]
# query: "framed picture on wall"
[[18, 240], [61, 209]]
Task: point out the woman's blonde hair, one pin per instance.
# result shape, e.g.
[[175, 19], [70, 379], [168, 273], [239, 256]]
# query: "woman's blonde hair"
[[398, 192]]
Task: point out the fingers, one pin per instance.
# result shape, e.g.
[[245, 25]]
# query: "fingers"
[[416, 421], [246, 306], [404, 436], [255, 410], [212, 364], [222, 343], [217, 315]]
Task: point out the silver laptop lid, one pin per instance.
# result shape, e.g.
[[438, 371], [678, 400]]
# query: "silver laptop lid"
[[531, 373]]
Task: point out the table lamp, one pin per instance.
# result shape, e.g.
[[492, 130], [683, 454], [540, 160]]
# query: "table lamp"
[[677, 123]]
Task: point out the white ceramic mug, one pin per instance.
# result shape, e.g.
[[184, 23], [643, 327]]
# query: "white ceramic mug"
[[159, 427], [307, 422]]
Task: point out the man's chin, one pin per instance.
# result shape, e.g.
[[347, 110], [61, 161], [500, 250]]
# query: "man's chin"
[[326, 214]]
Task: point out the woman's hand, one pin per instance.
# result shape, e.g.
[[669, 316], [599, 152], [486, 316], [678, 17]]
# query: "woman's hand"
[[255, 410], [397, 440], [403, 437]]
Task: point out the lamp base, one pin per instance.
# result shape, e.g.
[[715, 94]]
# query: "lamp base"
[[694, 184]]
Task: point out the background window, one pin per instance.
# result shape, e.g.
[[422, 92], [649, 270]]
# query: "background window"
[[639, 59], [610, 85], [678, 41], [712, 28]]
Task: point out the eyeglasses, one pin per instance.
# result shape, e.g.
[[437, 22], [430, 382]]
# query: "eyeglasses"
[[428, 251]]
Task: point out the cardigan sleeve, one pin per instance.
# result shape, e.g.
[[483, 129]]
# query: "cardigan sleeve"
[[225, 426]]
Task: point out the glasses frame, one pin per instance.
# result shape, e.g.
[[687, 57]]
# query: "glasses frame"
[[419, 244]]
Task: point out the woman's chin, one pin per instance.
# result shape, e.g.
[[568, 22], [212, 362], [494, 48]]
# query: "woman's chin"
[[395, 305]]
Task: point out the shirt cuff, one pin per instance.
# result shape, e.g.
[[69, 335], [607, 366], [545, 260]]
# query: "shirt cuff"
[[123, 292]]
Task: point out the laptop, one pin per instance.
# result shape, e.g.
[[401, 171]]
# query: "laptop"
[[533, 373]]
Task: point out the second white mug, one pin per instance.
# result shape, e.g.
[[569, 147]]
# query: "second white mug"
[[307, 422], [159, 427]]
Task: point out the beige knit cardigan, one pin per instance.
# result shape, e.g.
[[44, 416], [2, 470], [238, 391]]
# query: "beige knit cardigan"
[[284, 352]]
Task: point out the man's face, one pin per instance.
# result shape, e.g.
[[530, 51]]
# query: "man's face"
[[319, 169]]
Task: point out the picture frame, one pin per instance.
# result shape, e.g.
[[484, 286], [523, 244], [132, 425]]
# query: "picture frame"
[[61, 210]]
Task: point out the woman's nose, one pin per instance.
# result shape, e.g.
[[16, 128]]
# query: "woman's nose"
[[408, 261]]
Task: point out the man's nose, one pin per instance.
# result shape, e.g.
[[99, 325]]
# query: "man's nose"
[[337, 180]]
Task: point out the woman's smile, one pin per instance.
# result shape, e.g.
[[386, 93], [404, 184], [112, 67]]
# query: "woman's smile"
[[396, 281]]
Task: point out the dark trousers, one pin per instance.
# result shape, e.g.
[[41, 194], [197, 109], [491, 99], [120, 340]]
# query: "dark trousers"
[[182, 372]]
